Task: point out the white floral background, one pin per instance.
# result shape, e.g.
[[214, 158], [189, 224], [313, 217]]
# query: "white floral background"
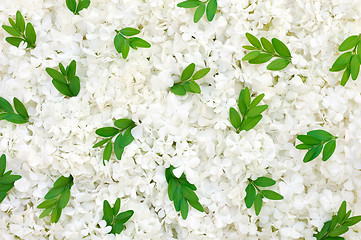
[[191, 132]]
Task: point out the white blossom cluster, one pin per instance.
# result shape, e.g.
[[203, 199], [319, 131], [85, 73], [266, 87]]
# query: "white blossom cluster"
[[193, 133]]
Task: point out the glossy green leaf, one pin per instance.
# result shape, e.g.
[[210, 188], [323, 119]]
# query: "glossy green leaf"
[[6, 187], [184, 208], [136, 42], [241, 104], [74, 86], [123, 217], [117, 228], [2, 164], [251, 55], [64, 198], [20, 22], [128, 31], [211, 9], [258, 203], [83, 4], [15, 41], [250, 195], [107, 212], [250, 123], [45, 213], [249, 48], [125, 49], [308, 139], [312, 153], [253, 40], [127, 138], [338, 231], [107, 131], [349, 43], [271, 195], [189, 4], [188, 72], [264, 182], [118, 42], [257, 100], [9, 179], [281, 48], [12, 31], [199, 13], [278, 64], [189, 194], [54, 192], [235, 118], [62, 181], [321, 135], [124, 123], [15, 118], [355, 66], [5, 105], [30, 35], [107, 152], [341, 213], [178, 89], [352, 221], [267, 45], [118, 149], [255, 111], [20, 108], [116, 206], [201, 73], [56, 75], [328, 150], [345, 76], [341, 62], [101, 143], [303, 146], [261, 58], [71, 4]]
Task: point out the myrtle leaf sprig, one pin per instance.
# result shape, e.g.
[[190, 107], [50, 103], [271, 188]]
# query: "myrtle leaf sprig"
[[113, 219], [7, 113], [6, 179], [181, 192], [122, 131], [264, 50], [348, 61], [76, 8], [20, 32], [65, 81], [187, 83], [254, 195], [250, 111], [314, 142], [122, 44], [209, 6], [338, 225], [57, 198]]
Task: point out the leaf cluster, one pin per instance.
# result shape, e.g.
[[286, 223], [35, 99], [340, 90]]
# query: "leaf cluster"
[[124, 137], [349, 61], [122, 44], [6, 179], [7, 112], [338, 225], [20, 32], [181, 192], [76, 8], [314, 142], [254, 195], [65, 81], [264, 50], [209, 7], [113, 219], [57, 198], [187, 83], [250, 111]]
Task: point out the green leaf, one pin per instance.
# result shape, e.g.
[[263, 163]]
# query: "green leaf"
[[324, 230], [281, 48], [64, 198], [123, 217], [118, 42], [2, 196], [267, 45], [20, 108], [352, 221], [9, 179], [125, 48], [255, 111], [107, 131], [5, 105], [303, 146], [258, 203], [71, 4], [116, 207], [253, 40], [355, 66], [178, 89], [188, 72], [184, 208], [136, 42], [264, 182], [117, 228], [2, 164], [62, 88], [45, 212], [14, 41], [172, 186], [189, 4], [250, 48], [62, 181], [328, 150], [250, 123], [349, 43], [123, 123], [13, 24], [6, 187], [196, 205], [257, 100], [308, 139], [201, 73], [30, 35], [345, 76], [192, 87], [12, 31], [261, 58], [321, 135], [83, 4], [48, 203], [278, 64], [341, 213], [251, 55], [247, 97], [20, 22], [271, 195], [189, 194], [54, 192], [127, 138], [74, 86], [107, 212], [55, 215], [341, 62], [62, 69], [241, 104], [338, 231], [56, 75], [250, 195], [199, 13], [107, 152], [71, 70], [15, 118], [185, 183], [235, 118], [312, 153], [211, 9], [118, 149], [128, 31]]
